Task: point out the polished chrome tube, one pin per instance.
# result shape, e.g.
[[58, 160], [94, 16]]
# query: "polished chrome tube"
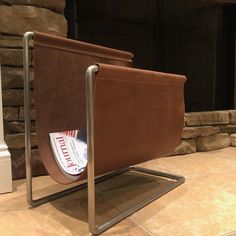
[[90, 142], [26, 62]]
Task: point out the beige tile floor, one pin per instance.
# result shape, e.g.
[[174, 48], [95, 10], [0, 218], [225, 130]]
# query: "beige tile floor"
[[205, 205]]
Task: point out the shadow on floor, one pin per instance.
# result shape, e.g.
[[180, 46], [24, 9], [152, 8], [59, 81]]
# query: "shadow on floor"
[[112, 196]]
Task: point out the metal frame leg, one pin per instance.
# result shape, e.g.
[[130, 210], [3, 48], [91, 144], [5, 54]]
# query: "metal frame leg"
[[94, 228], [26, 63], [90, 142], [28, 158]]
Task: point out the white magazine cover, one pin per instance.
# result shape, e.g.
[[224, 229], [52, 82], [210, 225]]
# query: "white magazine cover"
[[70, 150]]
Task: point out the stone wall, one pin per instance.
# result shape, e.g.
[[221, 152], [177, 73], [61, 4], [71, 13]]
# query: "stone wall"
[[207, 131], [16, 18]]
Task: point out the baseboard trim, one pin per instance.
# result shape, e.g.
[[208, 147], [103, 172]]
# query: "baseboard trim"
[[5, 172]]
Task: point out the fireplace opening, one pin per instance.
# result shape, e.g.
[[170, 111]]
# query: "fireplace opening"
[[195, 38]]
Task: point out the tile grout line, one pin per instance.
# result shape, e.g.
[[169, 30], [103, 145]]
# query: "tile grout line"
[[141, 226]]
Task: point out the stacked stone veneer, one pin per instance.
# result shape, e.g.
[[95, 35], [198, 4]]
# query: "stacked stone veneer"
[[16, 18], [206, 131]]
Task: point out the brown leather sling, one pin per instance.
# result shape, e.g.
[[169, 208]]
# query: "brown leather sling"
[[138, 114]]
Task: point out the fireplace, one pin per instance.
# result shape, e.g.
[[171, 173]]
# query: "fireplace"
[[195, 38]]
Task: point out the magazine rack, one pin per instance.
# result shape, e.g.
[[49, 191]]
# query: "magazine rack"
[[131, 115]]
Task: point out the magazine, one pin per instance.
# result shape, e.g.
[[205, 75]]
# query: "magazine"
[[70, 150]]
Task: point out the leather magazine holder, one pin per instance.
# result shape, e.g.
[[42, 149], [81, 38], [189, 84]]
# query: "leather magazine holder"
[[132, 115]]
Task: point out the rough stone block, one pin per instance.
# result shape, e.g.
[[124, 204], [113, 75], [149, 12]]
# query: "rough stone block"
[[230, 129], [22, 115], [207, 118], [14, 97], [17, 141], [18, 127], [193, 119], [213, 142], [54, 5], [185, 147], [5, 124], [233, 140], [15, 127], [193, 132], [232, 117], [38, 167], [185, 120], [18, 163], [10, 113], [11, 41], [16, 20], [12, 77], [11, 57]]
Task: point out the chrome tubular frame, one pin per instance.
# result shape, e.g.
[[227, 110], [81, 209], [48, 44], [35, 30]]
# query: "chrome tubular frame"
[[28, 157], [26, 63], [90, 142], [92, 180], [94, 228]]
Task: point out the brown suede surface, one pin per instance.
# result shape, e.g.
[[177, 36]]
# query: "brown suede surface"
[[138, 114]]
